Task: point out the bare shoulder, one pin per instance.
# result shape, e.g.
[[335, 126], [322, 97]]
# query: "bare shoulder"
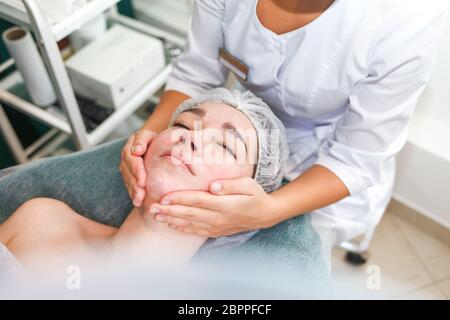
[[43, 219]]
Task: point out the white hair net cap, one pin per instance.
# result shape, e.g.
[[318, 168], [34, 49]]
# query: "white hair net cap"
[[272, 144]]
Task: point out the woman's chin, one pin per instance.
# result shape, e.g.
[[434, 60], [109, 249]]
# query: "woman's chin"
[[163, 181]]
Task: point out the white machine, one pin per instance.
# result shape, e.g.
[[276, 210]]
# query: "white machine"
[[55, 10], [112, 68]]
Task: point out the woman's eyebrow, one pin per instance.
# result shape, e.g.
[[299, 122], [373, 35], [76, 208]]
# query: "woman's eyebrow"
[[197, 111], [228, 126]]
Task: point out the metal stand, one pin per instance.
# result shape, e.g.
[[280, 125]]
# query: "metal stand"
[[11, 138], [56, 68], [70, 122]]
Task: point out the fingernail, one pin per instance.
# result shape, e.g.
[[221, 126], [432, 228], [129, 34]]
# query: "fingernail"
[[165, 202], [216, 187], [137, 148], [154, 210], [135, 203], [160, 218], [139, 195]]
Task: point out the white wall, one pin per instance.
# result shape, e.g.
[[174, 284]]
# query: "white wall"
[[423, 166], [435, 101]]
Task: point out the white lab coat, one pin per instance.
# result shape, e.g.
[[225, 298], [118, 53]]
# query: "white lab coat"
[[344, 86]]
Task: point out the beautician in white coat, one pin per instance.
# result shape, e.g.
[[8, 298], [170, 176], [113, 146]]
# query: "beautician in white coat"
[[344, 77]]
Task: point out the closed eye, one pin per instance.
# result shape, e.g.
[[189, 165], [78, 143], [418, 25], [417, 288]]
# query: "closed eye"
[[229, 150], [181, 125]]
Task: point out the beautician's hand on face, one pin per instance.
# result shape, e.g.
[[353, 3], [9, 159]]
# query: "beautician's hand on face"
[[132, 164], [230, 207]]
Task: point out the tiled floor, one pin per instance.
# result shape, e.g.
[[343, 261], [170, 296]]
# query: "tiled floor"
[[411, 263]]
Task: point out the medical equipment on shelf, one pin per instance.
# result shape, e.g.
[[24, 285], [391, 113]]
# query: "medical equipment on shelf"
[[88, 32], [112, 68], [28, 61], [55, 10]]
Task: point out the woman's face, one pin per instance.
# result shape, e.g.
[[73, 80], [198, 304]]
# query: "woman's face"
[[211, 142]]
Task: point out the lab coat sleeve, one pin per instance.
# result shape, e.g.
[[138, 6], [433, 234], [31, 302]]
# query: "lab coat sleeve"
[[198, 68], [375, 125]]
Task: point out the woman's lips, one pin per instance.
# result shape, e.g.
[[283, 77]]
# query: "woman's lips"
[[179, 162]]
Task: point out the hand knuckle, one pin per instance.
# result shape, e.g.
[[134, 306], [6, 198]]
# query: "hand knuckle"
[[140, 136], [221, 207], [130, 193], [125, 156], [182, 223], [136, 167], [172, 199], [220, 221], [214, 233], [197, 202], [190, 214], [203, 233]]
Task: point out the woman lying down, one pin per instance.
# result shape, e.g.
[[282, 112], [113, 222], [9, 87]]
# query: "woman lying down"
[[219, 135]]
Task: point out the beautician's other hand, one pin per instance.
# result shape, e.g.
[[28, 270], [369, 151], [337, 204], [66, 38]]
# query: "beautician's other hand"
[[132, 164], [230, 207]]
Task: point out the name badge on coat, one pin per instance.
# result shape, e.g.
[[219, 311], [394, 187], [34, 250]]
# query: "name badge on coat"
[[233, 64]]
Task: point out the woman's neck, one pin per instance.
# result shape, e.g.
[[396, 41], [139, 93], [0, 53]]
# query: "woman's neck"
[[303, 6], [283, 16], [142, 237]]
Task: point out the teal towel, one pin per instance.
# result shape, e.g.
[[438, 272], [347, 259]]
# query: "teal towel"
[[90, 183]]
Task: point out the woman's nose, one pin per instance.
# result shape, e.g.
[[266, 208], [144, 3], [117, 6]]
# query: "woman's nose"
[[186, 139]]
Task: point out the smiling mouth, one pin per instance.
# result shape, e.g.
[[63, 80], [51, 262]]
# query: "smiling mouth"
[[179, 162]]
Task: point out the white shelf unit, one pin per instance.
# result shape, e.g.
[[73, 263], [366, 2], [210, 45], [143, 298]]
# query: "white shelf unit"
[[69, 121], [17, 12]]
